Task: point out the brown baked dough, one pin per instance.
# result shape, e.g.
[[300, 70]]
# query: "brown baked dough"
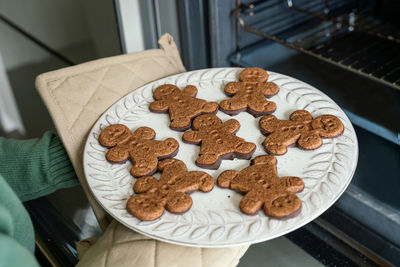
[[181, 105], [217, 140], [264, 189], [139, 146], [301, 128], [153, 196], [250, 93]]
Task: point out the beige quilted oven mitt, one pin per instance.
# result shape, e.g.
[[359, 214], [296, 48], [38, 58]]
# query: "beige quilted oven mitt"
[[76, 97], [120, 246]]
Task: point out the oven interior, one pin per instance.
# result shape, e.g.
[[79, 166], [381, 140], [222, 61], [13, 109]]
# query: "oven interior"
[[350, 50], [359, 36]]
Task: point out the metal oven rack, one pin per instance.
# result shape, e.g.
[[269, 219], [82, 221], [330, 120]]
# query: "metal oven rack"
[[334, 31], [282, 35]]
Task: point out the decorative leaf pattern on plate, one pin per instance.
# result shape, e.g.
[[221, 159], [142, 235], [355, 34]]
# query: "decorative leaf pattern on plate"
[[197, 224], [181, 230]]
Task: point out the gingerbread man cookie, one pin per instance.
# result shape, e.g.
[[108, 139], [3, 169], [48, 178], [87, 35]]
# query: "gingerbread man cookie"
[[139, 146], [264, 189], [250, 93], [301, 128], [181, 105], [218, 141], [153, 196]]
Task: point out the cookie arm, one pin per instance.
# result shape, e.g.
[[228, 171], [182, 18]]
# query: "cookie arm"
[[178, 202], [232, 125], [159, 106], [142, 166], [206, 181], [225, 178], [117, 154], [170, 168], [292, 184], [191, 137], [232, 88], [190, 90], [245, 149], [195, 180], [310, 140], [269, 88], [274, 145], [264, 159], [268, 124], [144, 184], [179, 123], [210, 107], [251, 202], [167, 148], [208, 160]]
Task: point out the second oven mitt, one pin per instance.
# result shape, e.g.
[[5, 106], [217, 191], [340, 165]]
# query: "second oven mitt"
[[118, 241], [76, 97]]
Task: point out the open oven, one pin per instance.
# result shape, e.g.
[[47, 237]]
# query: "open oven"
[[350, 50]]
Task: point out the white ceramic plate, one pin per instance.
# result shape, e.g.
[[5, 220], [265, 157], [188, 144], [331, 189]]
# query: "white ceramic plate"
[[215, 220]]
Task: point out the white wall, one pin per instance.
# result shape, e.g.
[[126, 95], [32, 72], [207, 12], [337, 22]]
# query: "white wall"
[[10, 119], [137, 30], [130, 21], [168, 19]]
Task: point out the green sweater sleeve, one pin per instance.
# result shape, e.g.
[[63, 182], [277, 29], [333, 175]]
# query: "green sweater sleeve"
[[14, 254], [15, 223], [36, 167]]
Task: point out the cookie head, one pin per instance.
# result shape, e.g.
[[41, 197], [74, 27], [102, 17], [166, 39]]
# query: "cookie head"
[[253, 75], [114, 134], [146, 207], [164, 91], [205, 121], [144, 133], [328, 125], [282, 205]]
